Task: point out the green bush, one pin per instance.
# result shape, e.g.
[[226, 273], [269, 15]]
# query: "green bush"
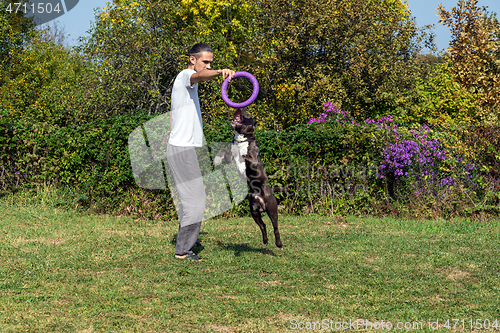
[[327, 168], [92, 158]]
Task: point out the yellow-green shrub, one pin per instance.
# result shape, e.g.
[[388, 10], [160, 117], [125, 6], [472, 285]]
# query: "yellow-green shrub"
[[440, 100]]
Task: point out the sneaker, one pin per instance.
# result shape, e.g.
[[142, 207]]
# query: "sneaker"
[[190, 255]]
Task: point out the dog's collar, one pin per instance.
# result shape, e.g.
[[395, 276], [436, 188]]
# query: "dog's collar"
[[240, 138], [246, 140]]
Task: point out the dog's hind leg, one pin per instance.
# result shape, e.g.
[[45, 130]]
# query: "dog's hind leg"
[[257, 216], [272, 211], [273, 215]]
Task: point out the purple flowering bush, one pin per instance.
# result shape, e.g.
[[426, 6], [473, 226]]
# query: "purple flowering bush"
[[414, 163], [417, 155], [333, 113]]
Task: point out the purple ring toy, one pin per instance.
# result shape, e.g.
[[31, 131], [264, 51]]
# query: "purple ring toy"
[[248, 101]]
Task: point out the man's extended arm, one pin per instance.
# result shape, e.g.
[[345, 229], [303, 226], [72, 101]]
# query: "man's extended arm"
[[208, 74]]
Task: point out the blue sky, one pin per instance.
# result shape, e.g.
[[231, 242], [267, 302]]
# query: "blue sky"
[[78, 20]]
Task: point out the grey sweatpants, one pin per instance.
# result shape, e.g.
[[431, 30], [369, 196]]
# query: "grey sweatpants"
[[185, 169]]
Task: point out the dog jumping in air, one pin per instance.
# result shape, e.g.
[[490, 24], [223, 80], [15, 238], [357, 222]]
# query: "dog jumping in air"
[[245, 153]]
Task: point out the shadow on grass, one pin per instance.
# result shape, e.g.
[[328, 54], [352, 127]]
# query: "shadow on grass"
[[240, 248]]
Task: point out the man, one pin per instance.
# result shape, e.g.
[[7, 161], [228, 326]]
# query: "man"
[[186, 134]]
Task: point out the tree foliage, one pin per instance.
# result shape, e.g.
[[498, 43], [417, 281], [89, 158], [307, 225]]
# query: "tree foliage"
[[439, 99], [475, 52], [353, 52], [357, 54], [55, 32], [137, 48], [40, 82], [15, 32], [232, 20], [35, 73], [128, 56]]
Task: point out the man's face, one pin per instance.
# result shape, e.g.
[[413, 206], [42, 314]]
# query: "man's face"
[[203, 62]]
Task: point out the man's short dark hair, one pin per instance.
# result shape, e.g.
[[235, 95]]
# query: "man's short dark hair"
[[198, 48]]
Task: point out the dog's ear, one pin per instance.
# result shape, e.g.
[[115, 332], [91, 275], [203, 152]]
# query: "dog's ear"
[[255, 124], [248, 121]]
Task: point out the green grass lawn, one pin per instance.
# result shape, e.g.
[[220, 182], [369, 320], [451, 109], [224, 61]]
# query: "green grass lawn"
[[61, 271]]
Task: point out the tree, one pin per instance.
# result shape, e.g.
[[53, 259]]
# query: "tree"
[[439, 99], [40, 82], [15, 31], [137, 48], [34, 72], [475, 53], [55, 32], [357, 54]]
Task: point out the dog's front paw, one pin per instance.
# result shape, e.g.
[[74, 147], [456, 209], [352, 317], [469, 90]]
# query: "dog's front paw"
[[241, 167], [218, 160]]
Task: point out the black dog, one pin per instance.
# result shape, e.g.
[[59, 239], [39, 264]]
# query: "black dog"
[[245, 152]]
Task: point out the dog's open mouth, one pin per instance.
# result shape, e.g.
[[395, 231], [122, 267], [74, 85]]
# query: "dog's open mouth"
[[237, 118]]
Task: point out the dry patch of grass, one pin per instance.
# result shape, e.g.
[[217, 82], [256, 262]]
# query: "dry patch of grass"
[[453, 273]]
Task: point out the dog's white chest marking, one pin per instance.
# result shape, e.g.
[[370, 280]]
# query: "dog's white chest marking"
[[238, 150], [260, 205]]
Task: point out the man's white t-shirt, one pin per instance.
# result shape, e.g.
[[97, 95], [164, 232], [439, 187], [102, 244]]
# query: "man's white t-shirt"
[[187, 125]]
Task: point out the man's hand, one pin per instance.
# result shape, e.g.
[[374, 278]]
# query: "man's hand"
[[227, 73]]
